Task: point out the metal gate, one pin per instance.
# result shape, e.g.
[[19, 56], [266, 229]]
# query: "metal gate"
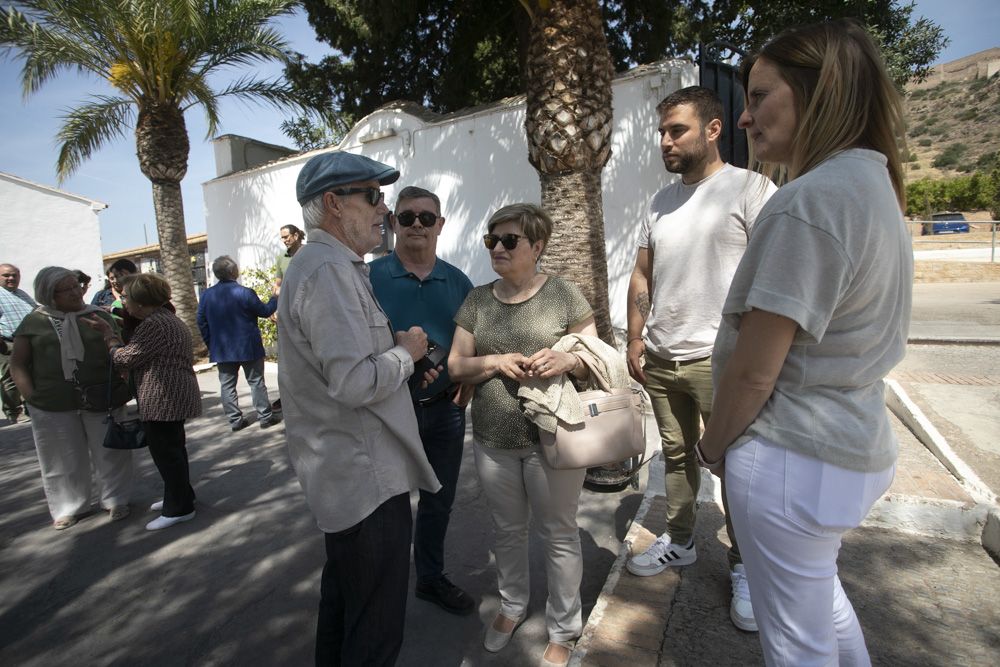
[[724, 79]]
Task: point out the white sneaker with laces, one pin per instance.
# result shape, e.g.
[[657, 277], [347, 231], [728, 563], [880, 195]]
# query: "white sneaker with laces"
[[660, 555], [741, 609]]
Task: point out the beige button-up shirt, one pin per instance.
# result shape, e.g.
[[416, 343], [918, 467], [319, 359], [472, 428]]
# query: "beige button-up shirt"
[[349, 422]]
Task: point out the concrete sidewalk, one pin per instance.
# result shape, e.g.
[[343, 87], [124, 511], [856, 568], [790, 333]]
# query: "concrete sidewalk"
[[917, 572], [239, 584]]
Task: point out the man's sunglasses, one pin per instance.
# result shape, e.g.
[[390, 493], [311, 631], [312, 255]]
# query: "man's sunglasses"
[[509, 241], [373, 195], [426, 218]]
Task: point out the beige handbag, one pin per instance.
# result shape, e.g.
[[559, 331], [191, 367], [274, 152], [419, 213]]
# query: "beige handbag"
[[612, 431]]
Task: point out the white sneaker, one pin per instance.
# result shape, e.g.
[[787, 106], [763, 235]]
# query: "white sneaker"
[[661, 555], [740, 609], [162, 522], [157, 506]]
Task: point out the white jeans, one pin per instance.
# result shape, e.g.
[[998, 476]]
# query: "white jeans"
[[789, 512], [518, 483], [67, 443]]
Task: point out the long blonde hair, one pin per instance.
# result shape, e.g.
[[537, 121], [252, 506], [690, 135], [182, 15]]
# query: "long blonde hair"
[[844, 97]]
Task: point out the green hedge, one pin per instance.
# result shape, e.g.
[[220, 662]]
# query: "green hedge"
[[262, 281], [979, 191]]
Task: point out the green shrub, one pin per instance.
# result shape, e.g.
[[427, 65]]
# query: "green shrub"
[[969, 114], [988, 161], [931, 121], [978, 84], [937, 131], [261, 281], [915, 166], [918, 130], [913, 157], [961, 193], [925, 142], [918, 94], [950, 156]]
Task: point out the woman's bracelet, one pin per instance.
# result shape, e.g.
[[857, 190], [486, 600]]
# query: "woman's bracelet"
[[632, 339], [715, 466]]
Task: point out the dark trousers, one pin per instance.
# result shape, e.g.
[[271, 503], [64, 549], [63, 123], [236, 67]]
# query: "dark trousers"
[[362, 604], [442, 431], [166, 446]]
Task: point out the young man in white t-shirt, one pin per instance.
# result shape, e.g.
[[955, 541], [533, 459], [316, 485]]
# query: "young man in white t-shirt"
[[691, 242]]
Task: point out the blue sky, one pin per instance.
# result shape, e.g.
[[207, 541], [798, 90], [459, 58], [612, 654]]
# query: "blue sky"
[[28, 147]]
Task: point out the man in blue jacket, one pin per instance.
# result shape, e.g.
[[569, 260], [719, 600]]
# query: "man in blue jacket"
[[227, 318]]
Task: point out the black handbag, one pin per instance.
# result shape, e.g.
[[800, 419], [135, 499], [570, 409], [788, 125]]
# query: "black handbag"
[[126, 434]]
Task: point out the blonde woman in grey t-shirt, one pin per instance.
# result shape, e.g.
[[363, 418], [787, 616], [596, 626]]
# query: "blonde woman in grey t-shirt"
[[504, 334], [816, 316]]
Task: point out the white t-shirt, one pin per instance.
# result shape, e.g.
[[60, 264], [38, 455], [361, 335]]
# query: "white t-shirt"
[[830, 251], [697, 234]]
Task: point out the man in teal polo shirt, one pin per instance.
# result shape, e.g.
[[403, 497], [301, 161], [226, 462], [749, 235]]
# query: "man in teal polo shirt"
[[416, 288]]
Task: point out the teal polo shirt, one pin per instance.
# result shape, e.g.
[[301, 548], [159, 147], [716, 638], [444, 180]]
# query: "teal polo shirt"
[[430, 303]]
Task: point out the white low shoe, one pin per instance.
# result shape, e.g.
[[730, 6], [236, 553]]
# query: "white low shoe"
[[162, 522], [157, 506]]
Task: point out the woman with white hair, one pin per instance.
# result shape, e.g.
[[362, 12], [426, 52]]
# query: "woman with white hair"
[[54, 361]]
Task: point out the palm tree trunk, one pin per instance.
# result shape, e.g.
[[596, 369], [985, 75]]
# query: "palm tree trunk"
[[175, 259], [162, 146], [568, 124], [576, 250]]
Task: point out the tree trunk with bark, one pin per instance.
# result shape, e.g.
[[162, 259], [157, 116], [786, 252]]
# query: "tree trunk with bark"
[[568, 125], [162, 147]]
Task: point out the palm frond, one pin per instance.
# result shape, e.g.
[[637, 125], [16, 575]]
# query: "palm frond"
[[47, 48], [201, 93], [258, 91], [88, 127]]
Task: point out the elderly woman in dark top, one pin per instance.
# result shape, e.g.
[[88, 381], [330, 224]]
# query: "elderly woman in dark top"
[[160, 357], [53, 359]]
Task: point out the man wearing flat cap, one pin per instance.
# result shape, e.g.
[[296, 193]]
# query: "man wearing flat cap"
[[352, 434]]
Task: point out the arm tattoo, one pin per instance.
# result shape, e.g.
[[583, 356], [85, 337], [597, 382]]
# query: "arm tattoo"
[[642, 303]]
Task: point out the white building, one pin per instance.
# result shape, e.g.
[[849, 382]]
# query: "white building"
[[475, 160], [42, 226]]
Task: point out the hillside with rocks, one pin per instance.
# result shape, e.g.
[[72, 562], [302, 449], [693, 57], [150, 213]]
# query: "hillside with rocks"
[[953, 128]]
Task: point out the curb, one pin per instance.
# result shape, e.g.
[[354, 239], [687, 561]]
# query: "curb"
[[986, 510], [950, 340], [597, 613]]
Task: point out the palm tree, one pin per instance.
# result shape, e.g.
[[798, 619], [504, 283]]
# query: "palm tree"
[[158, 55], [568, 125]]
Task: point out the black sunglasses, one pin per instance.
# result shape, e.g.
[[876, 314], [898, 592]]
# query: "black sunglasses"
[[426, 218], [374, 195], [509, 241]]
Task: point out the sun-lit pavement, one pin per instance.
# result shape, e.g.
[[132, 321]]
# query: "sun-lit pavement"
[[238, 585]]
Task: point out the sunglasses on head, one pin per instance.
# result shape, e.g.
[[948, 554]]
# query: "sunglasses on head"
[[372, 195], [509, 241], [426, 218]]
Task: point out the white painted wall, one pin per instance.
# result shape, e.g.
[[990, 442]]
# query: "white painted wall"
[[476, 163], [42, 226]]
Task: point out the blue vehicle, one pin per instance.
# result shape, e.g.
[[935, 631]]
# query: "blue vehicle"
[[948, 222]]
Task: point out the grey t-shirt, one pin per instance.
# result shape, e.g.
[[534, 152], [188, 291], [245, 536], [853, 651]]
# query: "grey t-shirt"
[[697, 234], [830, 251], [502, 328]]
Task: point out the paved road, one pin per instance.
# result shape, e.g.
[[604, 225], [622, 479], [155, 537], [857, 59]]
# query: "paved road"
[[238, 585]]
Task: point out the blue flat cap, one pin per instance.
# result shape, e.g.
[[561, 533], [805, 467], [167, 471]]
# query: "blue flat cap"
[[327, 171]]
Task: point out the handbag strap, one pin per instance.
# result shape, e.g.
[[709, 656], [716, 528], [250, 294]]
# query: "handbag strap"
[[111, 379]]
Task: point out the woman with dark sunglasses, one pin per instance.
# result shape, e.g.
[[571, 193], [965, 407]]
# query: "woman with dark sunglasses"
[[504, 335]]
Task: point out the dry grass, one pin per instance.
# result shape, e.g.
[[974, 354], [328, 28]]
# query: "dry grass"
[[955, 272]]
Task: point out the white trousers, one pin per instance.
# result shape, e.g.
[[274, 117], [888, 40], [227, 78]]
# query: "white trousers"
[[68, 443], [789, 512], [519, 483]]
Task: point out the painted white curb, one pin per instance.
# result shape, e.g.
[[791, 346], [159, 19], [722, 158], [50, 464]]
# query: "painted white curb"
[[986, 511]]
